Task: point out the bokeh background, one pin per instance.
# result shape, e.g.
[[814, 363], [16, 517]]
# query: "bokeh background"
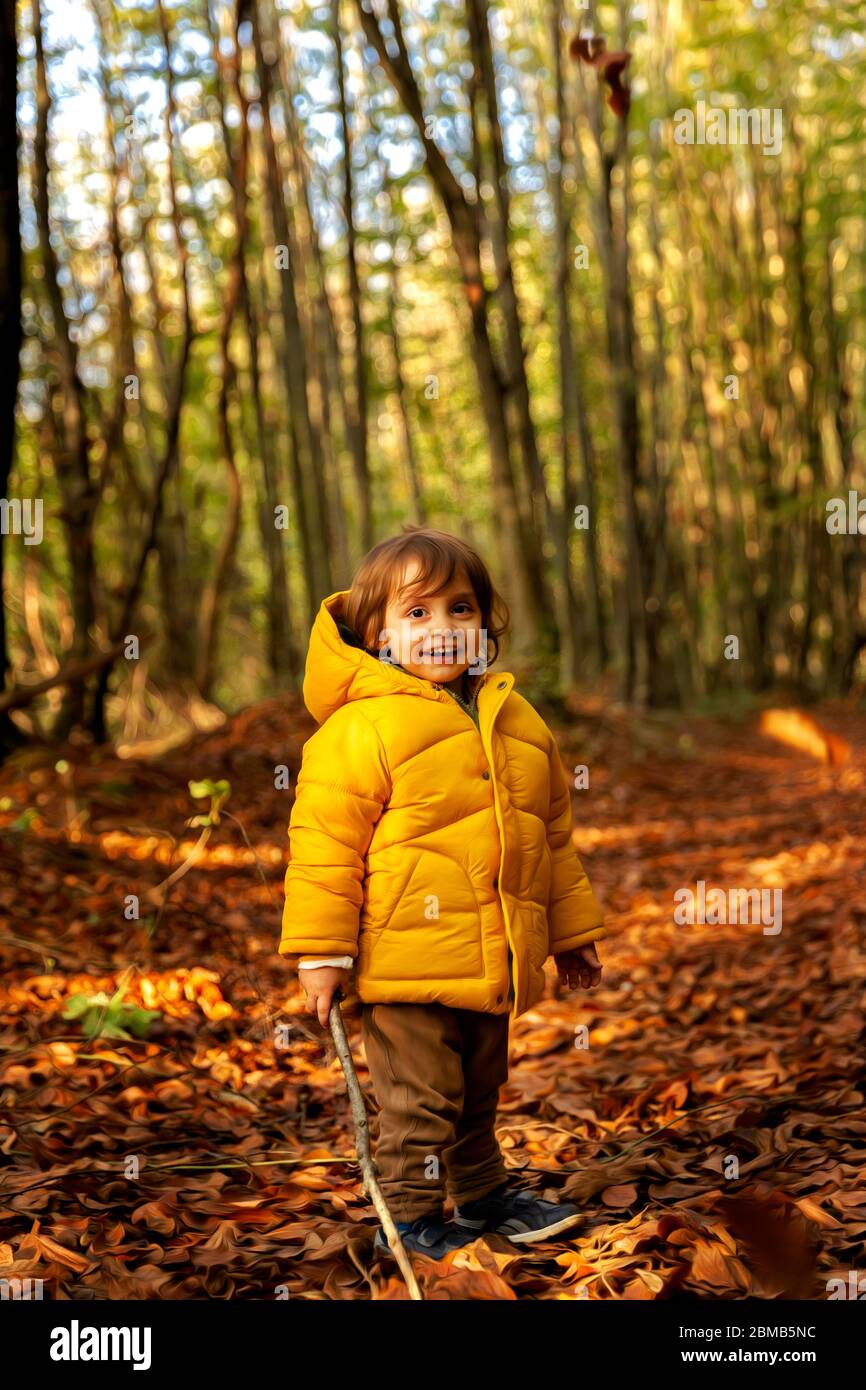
[[295, 274]]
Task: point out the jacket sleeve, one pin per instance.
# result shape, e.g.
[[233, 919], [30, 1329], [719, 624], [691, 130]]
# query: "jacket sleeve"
[[311, 963], [573, 913], [342, 788]]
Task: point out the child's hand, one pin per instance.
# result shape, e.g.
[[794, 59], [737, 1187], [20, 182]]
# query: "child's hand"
[[580, 966], [320, 985]]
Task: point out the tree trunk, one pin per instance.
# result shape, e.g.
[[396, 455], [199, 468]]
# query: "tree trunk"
[[282, 656], [358, 424], [572, 409], [517, 539], [846, 596], [234, 299], [822, 576], [72, 462], [413, 472], [543, 520], [324, 350], [612, 240], [174, 407], [10, 304], [307, 465]]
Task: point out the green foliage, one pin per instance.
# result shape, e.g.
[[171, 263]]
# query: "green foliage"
[[103, 1015], [218, 792]]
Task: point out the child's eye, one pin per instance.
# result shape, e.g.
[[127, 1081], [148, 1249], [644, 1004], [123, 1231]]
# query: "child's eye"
[[419, 610]]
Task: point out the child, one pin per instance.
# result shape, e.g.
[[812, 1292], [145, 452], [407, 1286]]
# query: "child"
[[430, 848]]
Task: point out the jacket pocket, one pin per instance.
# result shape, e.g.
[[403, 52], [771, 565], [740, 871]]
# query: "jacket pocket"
[[383, 889], [434, 929], [538, 936]]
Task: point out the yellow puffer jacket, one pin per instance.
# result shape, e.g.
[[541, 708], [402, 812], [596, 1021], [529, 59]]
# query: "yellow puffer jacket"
[[433, 852]]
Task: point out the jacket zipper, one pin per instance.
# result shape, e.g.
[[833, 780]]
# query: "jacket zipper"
[[443, 695], [497, 810], [499, 822]]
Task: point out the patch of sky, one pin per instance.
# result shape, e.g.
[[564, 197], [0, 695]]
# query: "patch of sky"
[[838, 46]]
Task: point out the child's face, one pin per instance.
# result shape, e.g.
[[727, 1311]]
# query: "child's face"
[[436, 636]]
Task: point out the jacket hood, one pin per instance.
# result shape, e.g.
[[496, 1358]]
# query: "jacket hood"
[[337, 672]]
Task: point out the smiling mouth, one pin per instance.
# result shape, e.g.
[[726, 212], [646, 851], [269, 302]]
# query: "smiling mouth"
[[444, 654]]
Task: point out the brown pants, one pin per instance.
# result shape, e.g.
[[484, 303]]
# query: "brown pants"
[[436, 1073]]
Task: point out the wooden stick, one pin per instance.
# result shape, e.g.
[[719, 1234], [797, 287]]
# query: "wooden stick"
[[362, 1144]]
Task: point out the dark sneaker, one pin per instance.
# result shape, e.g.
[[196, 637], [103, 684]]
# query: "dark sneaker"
[[427, 1235], [515, 1213]]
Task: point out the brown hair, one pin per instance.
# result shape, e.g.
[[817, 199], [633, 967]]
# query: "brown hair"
[[439, 556]]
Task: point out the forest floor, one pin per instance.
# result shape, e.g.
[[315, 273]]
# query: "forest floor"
[[714, 1129]]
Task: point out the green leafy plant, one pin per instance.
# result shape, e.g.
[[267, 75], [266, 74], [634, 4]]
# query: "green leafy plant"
[[105, 1015], [218, 792]]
